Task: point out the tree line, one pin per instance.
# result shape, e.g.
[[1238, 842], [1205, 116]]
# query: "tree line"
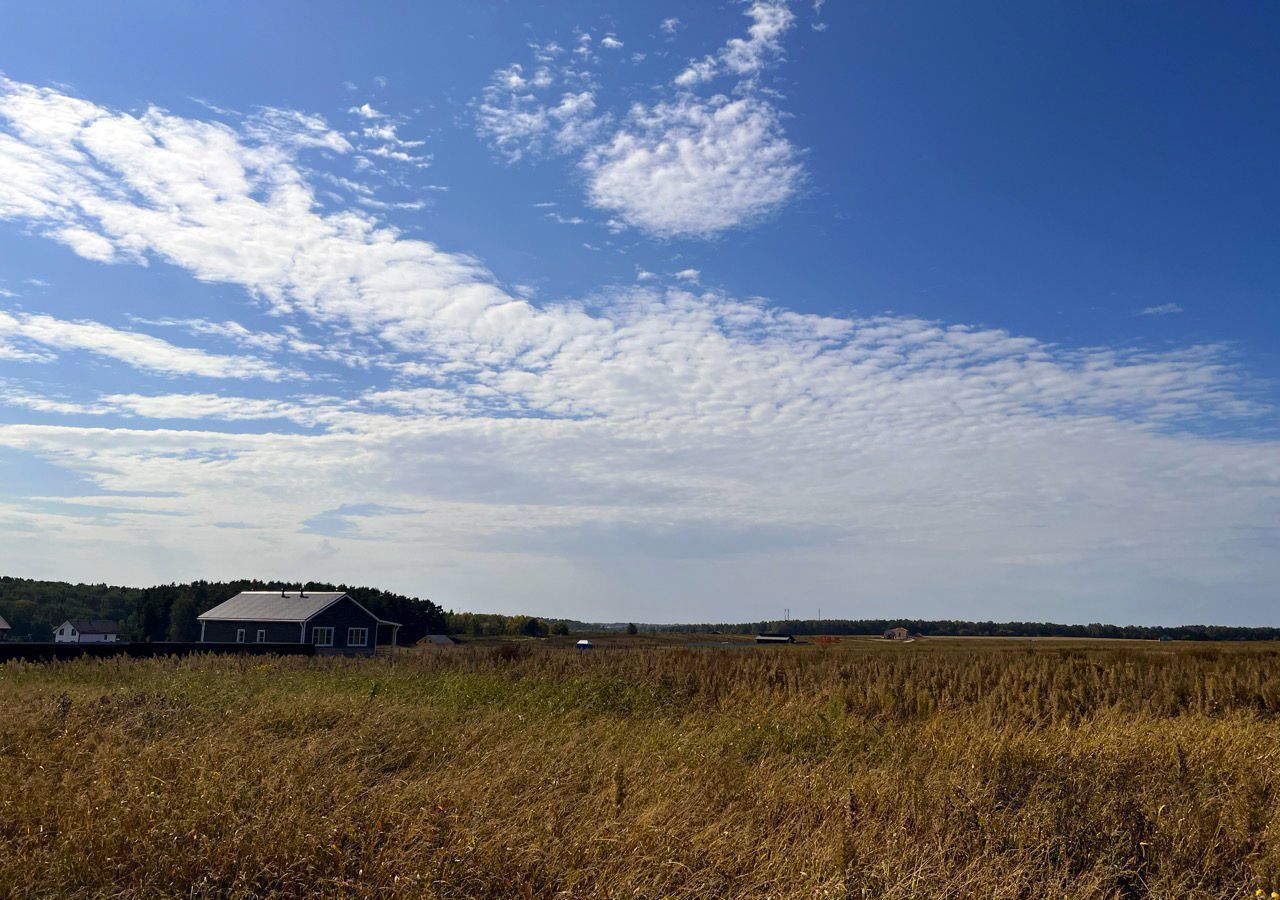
[[167, 612], [961, 628], [494, 625]]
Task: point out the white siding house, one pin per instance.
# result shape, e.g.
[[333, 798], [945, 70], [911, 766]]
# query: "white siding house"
[[87, 631]]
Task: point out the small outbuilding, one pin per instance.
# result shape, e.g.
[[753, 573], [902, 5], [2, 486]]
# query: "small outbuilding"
[[773, 637], [897, 633], [438, 640], [331, 620], [87, 631], [4, 628], [584, 644]]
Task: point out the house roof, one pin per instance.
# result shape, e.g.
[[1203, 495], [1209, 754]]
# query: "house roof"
[[273, 606], [94, 626], [4, 626], [439, 639]]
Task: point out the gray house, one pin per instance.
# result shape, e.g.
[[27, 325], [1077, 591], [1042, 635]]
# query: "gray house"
[[331, 620]]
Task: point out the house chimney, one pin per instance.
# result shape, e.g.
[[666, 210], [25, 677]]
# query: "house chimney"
[[282, 591], [302, 590]]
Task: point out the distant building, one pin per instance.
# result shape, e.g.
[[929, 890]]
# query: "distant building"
[[4, 628], [584, 644], [439, 640], [331, 620], [774, 638], [87, 631], [897, 634]]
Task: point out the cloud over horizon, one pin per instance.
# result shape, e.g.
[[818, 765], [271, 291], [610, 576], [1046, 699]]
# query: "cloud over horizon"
[[891, 459]]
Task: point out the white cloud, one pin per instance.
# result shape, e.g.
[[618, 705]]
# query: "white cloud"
[[387, 132], [697, 71], [688, 166], [205, 407], [609, 42], [670, 26], [381, 139], [747, 56], [1164, 309], [295, 130], [518, 120], [693, 169], [691, 275], [86, 243], [141, 351], [365, 111], [883, 460]]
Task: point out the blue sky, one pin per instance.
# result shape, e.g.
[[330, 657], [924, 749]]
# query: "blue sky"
[[691, 311]]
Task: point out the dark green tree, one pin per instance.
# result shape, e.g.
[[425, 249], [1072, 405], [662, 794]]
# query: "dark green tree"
[[533, 627], [182, 620]]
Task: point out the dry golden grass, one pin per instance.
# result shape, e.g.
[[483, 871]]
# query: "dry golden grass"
[[936, 769]]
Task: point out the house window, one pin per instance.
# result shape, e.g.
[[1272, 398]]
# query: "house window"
[[322, 637], [357, 637], [262, 635], [239, 635]]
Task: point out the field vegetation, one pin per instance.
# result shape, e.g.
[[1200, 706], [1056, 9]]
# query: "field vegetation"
[[649, 768]]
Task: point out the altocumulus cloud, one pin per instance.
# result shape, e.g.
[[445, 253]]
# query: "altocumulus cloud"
[[694, 167], [691, 165], [885, 457]]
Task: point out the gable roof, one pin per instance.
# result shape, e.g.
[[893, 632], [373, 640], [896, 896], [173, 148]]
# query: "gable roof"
[[4, 626], [272, 606], [93, 626]]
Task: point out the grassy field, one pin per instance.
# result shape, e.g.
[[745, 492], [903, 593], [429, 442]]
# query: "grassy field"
[[941, 768]]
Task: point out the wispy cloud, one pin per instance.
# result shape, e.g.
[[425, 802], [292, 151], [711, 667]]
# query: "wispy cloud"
[[516, 116], [745, 57], [141, 351], [1164, 309]]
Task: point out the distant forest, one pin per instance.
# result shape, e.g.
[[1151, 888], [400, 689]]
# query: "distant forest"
[[168, 612], [958, 628]]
